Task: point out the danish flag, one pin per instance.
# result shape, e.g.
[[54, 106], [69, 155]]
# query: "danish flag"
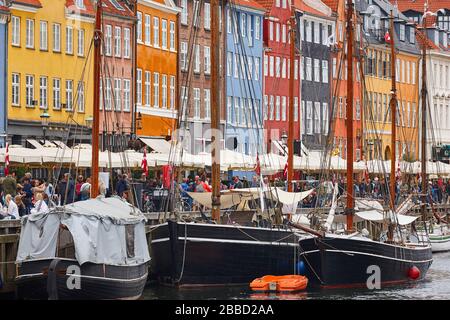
[[285, 172], [387, 37], [144, 164], [7, 160]]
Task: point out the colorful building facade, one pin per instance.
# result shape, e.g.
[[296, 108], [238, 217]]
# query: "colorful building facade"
[[59, 87], [157, 67], [116, 108], [4, 17], [244, 77], [377, 115]]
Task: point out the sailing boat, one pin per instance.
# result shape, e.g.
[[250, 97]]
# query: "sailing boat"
[[93, 249], [351, 259], [188, 253]]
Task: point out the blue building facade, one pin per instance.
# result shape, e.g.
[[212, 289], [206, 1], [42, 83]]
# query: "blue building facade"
[[244, 77], [4, 18]]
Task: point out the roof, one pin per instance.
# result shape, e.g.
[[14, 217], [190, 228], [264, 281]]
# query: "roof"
[[421, 41], [418, 5], [249, 4], [333, 4], [32, 3], [110, 8], [313, 7], [89, 7], [266, 4]]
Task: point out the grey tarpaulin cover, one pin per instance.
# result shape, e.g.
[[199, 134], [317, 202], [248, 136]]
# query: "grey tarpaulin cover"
[[104, 230]]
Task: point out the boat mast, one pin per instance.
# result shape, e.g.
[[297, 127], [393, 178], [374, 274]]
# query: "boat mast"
[[290, 173], [393, 104], [424, 113], [349, 110], [96, 112], [215, 111]]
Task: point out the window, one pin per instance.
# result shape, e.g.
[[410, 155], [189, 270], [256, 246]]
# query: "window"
[[243, 25], [207, 22], [164, 34], [29, 91], [30, 34], [43, 36], [80, 42], [126, 43], [302, 67], [183, 56], [139, 27], [317, 117], [108, 40], [308, 31], [236, 110], [184, 12], [272, 109], [147, 90], [172, 36], [408, 72], [325, 71], [229, 25], [196, 103], [303, 117], [266, 65], [412, 35], [69, 40], [277, 106], [402, 32], [277, 66], [236, 68], [43, 93], [296, 109], [296, 70], [266, 106], [257, 68], [325, 117], [147, 26], [325, 35], [197, 59], [156, 90], [207, 60], [257, 28], [277, 3], [271, 30], [283, 33], [80, 96], [308, 69], [229, 110], [316, 70], [139, 86], [15, 31], [250, 30], [196, 14], [56, 94], [277, 32], [15, 89], [271, 66], [283, 4], [283, 69], [184, 99], [80, 4], [164, 90], [108, 95], [172, 92], [283, 108], [69, 94], [126, 94], [207, 104], [316, 32], [358, 110], [250, 67], [117, 42], [156, 31], [309, 120], [229, 63]]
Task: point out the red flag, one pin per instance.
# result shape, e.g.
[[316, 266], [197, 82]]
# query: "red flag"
[[258, 165], [167, 172], [7, 160], [144, 164], [387, 37], [285, 172]]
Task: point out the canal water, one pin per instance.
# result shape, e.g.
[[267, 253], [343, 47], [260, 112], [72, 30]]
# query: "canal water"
[[435, 286]]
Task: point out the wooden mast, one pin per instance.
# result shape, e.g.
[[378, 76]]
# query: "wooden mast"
[[96, 113], [349, 110], [215, 111], [290, 173], [393, 104], [424, 115]]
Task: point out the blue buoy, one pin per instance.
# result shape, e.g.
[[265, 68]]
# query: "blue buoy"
[[301, 268]]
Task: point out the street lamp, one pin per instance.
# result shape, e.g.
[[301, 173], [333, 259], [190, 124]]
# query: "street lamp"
[[44, 122], [139, 121]]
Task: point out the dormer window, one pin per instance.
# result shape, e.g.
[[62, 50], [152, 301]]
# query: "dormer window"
[[444, 40], [117, 5], [80, 4], [412, 35], [402, 32], [436, 37]]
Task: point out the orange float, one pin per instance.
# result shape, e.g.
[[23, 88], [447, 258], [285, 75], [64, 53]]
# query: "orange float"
[[287, 283]]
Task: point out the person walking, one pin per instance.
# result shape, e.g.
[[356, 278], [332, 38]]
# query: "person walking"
[[66, 190]]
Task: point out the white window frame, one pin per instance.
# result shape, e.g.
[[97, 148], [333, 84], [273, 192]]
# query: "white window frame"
[[164, 34], [108, 40], [156, 32], [56, 84], [117, 41], [172, 36], [80, 49], [207, 59], [69, 95], [15, 31], [69, 40], [207, 101], [147, 88], [147, 30], [197, 59], [80, 96], [15, 89], [126, 43], [172, 92], [325, 71], [29, 38], [155, 89], [43, 35], [126, 95], [184, 12], [139, 87], [207, 16], [43, 92], [29, 90], [164, 91]]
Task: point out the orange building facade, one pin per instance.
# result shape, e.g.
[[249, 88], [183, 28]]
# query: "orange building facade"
[[157, 67]]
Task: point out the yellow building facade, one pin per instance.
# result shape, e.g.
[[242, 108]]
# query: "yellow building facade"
[[377, 125], [50, 68]]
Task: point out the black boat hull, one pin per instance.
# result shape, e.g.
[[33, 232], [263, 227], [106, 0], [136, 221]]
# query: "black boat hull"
[[97, 281], [198, 254], [337, 262]]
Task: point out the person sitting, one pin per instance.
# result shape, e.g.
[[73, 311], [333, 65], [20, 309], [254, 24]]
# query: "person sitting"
[[40, 206], [85, 190], [12, 211], [20, 205]]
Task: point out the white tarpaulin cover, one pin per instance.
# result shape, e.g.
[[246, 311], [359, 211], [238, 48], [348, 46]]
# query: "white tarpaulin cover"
[[290, 197], [102, 230], [373, 215], [157, 144], [364, 204]]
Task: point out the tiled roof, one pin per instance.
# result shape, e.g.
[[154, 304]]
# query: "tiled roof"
[[333, 4], [418, 5], [302, 6], [88, 10], [32, 3], [249, 4], [266, 4], [421, 41], [108, 7]]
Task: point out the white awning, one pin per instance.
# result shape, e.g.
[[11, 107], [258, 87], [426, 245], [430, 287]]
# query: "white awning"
[[157, 144], [35, 143], [373, 215]]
